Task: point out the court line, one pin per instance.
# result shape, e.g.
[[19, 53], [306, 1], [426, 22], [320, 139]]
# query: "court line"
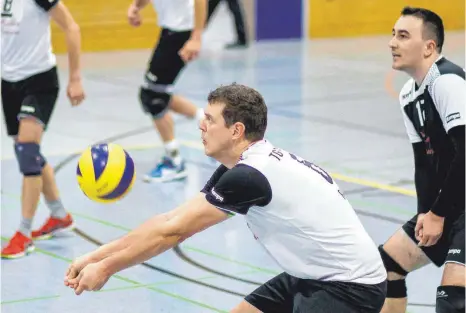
[[119, 277], [119, 288]]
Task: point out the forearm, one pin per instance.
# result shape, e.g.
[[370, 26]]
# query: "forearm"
[[141, 249], [140, 4], [453, 187], [124, 242], [200, 15], [73, 42]]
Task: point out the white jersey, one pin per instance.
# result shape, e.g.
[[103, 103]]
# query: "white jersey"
[[176, 15], [297, 212], [26, 38]]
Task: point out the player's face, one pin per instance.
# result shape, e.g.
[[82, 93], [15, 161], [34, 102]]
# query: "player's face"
[[216, 136], [407, 45]]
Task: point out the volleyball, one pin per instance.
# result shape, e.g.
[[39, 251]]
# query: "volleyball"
[[105, 172]]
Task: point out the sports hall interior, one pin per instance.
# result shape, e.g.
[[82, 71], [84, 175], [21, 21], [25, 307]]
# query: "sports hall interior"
[[324, 68]]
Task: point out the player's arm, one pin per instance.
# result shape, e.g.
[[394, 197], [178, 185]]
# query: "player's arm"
[[449, 95], [140, 4], [63, 18], [200, 16], [155, 236]]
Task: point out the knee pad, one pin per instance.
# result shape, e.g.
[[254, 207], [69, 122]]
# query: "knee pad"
[[450, 299], [390, 264], [395, 288], [30, 160], [154, 102]]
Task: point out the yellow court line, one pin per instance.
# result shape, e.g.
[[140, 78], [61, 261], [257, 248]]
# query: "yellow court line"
[[345, 178]]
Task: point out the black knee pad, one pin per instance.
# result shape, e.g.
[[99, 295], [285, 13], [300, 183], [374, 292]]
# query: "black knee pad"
[[450, 299], [30, 160], [390, 264], [154, 102]]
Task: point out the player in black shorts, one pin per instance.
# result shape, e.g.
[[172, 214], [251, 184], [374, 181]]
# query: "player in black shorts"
[[182, 23], [30, 88], [293, 208], [433, 107]]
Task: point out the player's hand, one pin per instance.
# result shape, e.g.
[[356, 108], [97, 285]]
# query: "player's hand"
[[134, 17], [91, 278], [75, 92], [418, 229], [432, 229], [190, 50], [75, 268]]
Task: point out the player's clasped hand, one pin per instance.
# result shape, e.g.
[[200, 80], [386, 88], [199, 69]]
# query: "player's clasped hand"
[[90, 278], [429, 229]]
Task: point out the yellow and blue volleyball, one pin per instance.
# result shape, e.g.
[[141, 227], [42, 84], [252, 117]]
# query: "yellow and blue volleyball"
[[105, 172]]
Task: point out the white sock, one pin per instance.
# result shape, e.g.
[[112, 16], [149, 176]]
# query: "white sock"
[[172, 148]]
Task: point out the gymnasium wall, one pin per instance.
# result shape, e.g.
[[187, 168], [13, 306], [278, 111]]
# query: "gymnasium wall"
[[104, 25]]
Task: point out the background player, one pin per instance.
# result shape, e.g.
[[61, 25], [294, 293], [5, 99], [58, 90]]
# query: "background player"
[[433, 107], [30, 87], [182, 24], [293, 208]]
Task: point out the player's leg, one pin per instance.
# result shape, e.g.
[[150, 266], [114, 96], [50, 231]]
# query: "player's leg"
[[400, 255], [20, 243], [275, 296], [451, 292], [236, 11], [156, 98]]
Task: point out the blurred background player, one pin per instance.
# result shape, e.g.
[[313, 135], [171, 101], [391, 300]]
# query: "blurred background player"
[[30, 88], [182, 24], [433, 107], [236, 11]]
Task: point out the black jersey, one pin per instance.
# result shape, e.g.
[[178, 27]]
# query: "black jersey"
[[432, 112]]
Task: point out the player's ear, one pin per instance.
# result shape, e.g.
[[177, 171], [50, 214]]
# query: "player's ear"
[[238, 130], [430, 48]]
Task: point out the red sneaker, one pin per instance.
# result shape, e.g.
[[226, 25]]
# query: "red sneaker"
[[19, 246], [53, 226]]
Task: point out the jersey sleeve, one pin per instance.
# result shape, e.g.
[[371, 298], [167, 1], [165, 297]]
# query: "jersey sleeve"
[[449, 95], [46, 5], [413, 136], [238, 189]]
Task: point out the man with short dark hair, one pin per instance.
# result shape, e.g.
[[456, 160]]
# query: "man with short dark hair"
[[433, 107], [293, 208]]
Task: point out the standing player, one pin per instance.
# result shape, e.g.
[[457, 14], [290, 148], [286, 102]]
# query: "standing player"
[[293, 208], [433, 107], [30, 89], [182, 24]]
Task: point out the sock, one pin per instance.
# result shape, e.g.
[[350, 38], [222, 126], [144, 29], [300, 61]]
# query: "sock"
[[172, 149], [56, 208], [25, 226]]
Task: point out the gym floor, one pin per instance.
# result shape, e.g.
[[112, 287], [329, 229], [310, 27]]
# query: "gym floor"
[[331, 101]]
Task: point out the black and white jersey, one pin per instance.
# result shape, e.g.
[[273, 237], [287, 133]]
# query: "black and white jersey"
[[176, 15], [430, 111], [296, 211], [26, 38]]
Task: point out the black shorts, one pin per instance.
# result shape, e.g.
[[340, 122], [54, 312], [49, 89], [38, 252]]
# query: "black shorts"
[[287, 294], [34, 96], [450, 247], [166, 64]]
